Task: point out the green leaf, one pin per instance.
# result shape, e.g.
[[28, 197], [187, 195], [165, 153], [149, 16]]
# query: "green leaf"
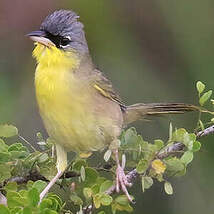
[[95, 188], [43, 158], [23, 193], [27, 210], [121, 203], [11, 186], [187, 157], [123, 162], [16, 210], [8, 131], [159, 143], [39, 185], [196, 146], [5, 172], [106, 185], [90, 176], [76, 166], [200, 87], [178, 135], [46, 203], [100, 180], [168, 188], [76, 199], [4, 157], [205, 97], [149, 150], [3, 146], [49, 211], [4, 210], [122, 200], [29, 184], [33, 197], [105, 199], [146, 182], [189, 140], [49, 203], [142, 166], [56, 200], [87, 192], [97, 201], [48, 169], [18, 154], [201, 125], [14, 199], [101, 212], [118, 207], [170, 131], [174, 166], [17, 147], [82, 173], [130, 136], [159, 177], [107, 155]]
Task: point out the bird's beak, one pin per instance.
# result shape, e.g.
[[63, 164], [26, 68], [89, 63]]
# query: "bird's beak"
[[40, 37]]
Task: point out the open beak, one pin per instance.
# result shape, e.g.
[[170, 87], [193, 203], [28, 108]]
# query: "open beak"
[[40, 37]]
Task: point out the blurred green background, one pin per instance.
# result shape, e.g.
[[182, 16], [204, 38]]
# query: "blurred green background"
[[153, 51]]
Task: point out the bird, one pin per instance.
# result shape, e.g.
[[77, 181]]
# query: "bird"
[[80, 109]]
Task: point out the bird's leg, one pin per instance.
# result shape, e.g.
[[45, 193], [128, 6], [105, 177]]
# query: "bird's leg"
[[51, 183], [121, 179], [61, 166]]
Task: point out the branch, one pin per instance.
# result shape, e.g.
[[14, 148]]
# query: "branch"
[[205, 132]]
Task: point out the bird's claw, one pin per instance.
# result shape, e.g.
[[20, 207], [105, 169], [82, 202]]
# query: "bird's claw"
[[122, 182]]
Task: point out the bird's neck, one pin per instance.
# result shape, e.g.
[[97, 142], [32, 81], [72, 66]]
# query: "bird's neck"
[[55, 58], [57, 71]]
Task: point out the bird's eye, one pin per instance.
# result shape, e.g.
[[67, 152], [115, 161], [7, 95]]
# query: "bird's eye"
[[64, 41]]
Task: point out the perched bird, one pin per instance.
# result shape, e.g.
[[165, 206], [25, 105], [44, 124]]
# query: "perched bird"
[[80, 109]]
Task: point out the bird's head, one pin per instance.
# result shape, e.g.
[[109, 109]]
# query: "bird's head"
[[61, 30]]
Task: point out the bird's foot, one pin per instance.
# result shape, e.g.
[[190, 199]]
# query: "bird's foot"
[[122, 182], [51, 183]]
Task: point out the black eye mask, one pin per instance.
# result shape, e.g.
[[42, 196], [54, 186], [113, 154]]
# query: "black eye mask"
[[59, 41]]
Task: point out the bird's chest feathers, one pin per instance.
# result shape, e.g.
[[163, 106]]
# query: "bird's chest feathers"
[[59, 92]]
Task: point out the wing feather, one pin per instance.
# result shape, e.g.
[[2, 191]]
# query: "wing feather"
[[105, 88]]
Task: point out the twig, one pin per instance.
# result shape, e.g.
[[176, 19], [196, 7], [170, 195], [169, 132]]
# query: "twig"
[[88, 209], [28, 143], [3, 199], [35, 176], [174, 148], [205, 132]]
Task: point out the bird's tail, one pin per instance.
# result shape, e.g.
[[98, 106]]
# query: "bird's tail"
[[141, 110]]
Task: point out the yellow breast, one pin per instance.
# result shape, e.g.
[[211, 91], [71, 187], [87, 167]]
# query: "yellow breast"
[[65, 101]]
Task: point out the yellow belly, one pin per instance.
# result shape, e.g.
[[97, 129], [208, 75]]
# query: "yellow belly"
[[66, 110], [68, 104]]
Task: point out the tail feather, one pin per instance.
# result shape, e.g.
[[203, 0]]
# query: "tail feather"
[[141, 110]]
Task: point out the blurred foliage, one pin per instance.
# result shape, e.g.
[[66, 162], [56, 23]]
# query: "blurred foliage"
[[16, 161]]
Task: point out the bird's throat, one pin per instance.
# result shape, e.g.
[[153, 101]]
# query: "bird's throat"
[[54, 57]]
